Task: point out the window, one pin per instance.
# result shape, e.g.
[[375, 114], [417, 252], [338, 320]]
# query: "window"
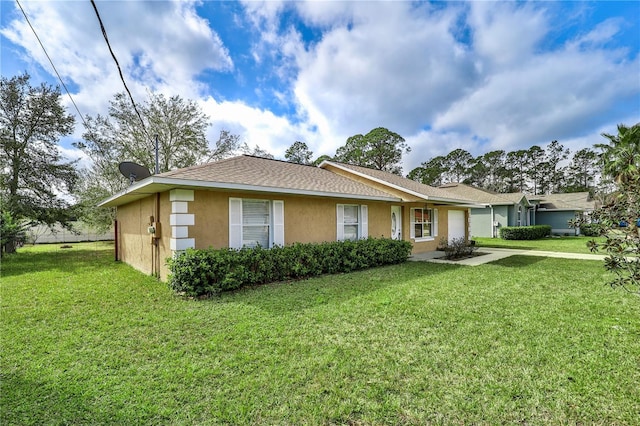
[[352, 222], [424, 223], [255, 223]]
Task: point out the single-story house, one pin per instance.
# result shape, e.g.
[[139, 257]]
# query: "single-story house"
[[495, 210], [246, 201], [558, 209]]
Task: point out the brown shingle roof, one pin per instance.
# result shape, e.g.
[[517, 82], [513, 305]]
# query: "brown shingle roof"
[[569, 201], [399, 182], [269, 174], [482, 196]]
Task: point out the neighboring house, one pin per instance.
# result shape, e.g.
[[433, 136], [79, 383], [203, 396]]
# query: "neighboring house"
[[246, 201], [495, 210], [558, 209]]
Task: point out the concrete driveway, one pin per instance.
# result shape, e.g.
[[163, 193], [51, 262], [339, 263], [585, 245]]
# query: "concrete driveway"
[[492, 254]]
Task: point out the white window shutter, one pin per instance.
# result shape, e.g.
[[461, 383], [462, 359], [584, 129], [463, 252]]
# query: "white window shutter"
[[412, 231], [340, 221], [435, 222], [235, 223], [364, 221], [278, 223]]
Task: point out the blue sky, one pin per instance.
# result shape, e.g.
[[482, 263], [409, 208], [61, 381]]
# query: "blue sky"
[[444, 75]]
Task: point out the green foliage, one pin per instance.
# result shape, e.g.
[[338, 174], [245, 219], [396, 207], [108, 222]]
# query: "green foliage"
[[458, 248], [32, 170], [12, 233], [198, 273], [590, 229], [298, 153], [380, 149], [525, 232]]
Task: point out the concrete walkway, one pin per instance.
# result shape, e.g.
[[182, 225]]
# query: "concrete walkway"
[[492, 254]]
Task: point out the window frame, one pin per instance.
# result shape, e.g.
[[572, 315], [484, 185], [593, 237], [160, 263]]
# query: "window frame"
[[275, 222], [433, 223], [362, 222]]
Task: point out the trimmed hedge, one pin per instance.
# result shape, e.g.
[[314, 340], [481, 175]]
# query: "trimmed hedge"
[[198, 273], [534, 232], [590, 229]]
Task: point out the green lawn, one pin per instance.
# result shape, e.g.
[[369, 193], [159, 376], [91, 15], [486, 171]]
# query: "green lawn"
[[561, 244], [526, 340]]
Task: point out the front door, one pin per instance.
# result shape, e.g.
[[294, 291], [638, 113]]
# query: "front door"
[[396, 222]]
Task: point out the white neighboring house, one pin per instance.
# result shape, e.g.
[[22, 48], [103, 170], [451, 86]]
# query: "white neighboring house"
[[42, 234]]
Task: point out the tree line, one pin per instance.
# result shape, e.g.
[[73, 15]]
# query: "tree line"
[[534, 170], [37, 185]]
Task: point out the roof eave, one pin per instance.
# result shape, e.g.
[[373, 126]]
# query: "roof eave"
[[171, 183], [396, 187]]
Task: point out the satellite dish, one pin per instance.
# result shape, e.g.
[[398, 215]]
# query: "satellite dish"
[[133, 171]]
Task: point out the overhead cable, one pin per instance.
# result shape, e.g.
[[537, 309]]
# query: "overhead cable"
[[106, 39], [52, 65]]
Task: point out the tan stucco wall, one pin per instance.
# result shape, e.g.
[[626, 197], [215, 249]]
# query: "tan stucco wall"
[[307, 219], [134, 242]]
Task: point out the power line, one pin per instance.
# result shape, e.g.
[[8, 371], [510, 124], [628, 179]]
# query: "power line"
[[52, 65], [106, 39]]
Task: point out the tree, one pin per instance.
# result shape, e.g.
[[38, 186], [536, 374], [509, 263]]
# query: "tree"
[[180, 126], [582, 171], [554, 154], [516, 171], [619, 220], [319, 160], [226, 146], [536, 169], [622, 155], [487, 170], [32, 169], [298, 153], [380, 149], [430, 172], [457, 165]]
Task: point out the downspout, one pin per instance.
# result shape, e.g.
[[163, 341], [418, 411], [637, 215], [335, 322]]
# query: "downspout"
[[156, 239], [491, 222], [115, 235]]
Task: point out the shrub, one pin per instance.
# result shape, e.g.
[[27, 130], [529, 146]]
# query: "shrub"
[[534, 232], [458, 248], [590, 229], [198, 273]]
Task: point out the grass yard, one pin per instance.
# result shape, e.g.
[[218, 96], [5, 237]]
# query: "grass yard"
[[561, 244], [528, 340]]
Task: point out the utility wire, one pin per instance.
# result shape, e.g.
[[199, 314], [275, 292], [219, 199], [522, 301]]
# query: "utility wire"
[[106, 39], [52, 65]]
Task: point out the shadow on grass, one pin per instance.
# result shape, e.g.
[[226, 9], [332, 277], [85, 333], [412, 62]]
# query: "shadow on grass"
[[63, 260], [29, 402], [295, 296], [517, 261]]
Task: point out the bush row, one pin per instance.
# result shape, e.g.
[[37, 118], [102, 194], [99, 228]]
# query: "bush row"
[[525, 232], [590, 229], [206, 272]]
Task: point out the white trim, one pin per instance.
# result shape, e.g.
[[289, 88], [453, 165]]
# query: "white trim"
[[364, 221], [181, 219], [339, 222], [423, 239], [278, 222], [181, 195], [434, 220], [178, 244], [179, 231], [179, 207], [235, 223]]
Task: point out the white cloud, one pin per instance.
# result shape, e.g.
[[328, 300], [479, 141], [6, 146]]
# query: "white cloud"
[[396, 65]]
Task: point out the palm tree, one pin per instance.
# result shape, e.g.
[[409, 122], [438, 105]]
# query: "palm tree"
[[621, 157]]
